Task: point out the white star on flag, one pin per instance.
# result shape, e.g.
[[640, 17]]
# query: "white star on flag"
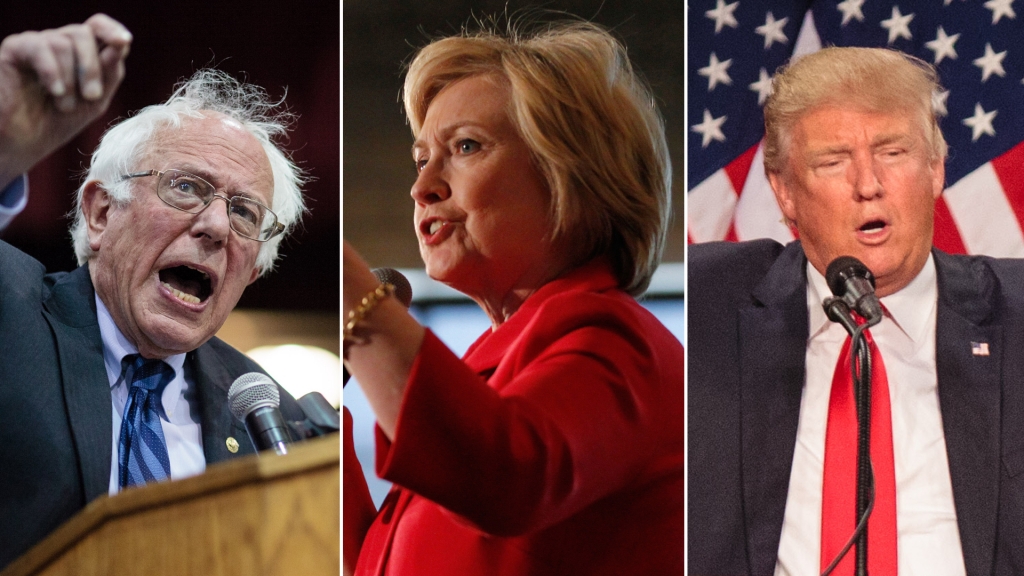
[[981, 211], [939, 100], [763, 86], [716, 72], [1000, 8], [943, 45], [991, 63], [851, 10], [772, 31], [898, 25], [723, 15], [981, 122], [710, 129]]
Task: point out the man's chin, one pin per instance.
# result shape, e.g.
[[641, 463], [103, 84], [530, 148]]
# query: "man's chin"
[[166, 337]]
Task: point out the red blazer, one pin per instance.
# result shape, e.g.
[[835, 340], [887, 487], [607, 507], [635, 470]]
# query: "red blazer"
[[554, 448]]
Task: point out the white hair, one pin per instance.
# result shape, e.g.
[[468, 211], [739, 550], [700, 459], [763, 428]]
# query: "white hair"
[[207, 91]]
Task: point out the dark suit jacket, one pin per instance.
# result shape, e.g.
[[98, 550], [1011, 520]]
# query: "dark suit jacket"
[[555, 448], [55, 404], [747, 342]]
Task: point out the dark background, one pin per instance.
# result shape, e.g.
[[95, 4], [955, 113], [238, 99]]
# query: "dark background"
[[382, 35], [271, 44]]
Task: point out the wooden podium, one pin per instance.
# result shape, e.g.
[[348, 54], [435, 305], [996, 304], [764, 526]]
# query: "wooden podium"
[[255, 516]]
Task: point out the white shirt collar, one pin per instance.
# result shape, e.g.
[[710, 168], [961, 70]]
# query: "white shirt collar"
[[909, 308], [116, 347]]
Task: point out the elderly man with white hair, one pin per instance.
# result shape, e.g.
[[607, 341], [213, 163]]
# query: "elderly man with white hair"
[[110, 375]]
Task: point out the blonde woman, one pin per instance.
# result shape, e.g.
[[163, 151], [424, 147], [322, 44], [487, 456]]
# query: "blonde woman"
[[555, 445]]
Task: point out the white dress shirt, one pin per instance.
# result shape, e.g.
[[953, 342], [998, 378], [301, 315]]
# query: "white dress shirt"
[[928, 541], [180, 420]]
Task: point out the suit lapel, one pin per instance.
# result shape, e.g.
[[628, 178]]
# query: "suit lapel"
[[969, 397], [213, 378], [773, 341], [70, 310]]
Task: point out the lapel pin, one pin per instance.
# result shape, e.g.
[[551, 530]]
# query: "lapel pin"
[[979, 348], [232, 444]]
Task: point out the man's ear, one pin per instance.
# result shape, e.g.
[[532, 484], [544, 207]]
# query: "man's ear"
[[255, 274], [95, 208], [783, 195]]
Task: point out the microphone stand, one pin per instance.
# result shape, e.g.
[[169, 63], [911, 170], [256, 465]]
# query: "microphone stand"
[[838, 310]]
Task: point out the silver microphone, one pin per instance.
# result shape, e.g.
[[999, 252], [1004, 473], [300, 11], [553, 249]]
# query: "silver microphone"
[[255, 400]]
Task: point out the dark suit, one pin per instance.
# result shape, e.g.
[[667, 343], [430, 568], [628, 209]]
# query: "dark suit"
[[55, 403], [748, 331]]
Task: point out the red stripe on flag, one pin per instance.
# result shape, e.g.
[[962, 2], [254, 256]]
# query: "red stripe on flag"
[[730, 235], [738, 169], [1008, 170], [947, 236]]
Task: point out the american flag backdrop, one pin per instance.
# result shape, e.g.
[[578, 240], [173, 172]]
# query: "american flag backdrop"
[[978, 48]]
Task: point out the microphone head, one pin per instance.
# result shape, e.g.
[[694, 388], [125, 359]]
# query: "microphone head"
[[251, 391], [403, 290], [844, 268]]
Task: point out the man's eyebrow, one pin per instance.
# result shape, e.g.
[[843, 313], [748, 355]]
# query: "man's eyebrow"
[[196, 171], [209, 177], [829, 149], [887, 139]]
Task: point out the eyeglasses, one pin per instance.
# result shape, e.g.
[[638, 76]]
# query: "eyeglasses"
[[190, 193]]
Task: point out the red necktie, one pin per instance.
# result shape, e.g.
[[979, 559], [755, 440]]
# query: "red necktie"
[[838, 506]]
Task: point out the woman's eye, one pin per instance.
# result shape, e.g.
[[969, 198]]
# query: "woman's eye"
[[420, 165], [467, 146]]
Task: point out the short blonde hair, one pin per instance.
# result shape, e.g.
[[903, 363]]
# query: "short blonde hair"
[[875, 79], [591, 125]]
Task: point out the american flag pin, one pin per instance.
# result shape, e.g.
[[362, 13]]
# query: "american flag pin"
[[979, 348]]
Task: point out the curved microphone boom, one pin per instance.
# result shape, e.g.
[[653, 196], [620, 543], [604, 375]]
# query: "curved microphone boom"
[[255, 400], [403, 293], [850, 280]]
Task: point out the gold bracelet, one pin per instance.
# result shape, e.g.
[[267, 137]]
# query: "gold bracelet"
[[358, 314]]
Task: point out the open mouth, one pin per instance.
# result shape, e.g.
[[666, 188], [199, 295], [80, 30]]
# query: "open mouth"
[[873, 227], [187, 284], [432, 226], [435, 230]]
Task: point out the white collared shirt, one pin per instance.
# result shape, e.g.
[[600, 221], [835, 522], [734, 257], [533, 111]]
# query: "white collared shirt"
[[928, 540], [180, 420]]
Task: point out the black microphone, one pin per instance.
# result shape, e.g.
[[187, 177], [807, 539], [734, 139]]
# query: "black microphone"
[[850, 280], [255, 400], [403, 292], [854, 288], [321, 418]]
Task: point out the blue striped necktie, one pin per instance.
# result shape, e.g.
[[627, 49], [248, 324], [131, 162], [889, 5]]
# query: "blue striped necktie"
[[142, 451]]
